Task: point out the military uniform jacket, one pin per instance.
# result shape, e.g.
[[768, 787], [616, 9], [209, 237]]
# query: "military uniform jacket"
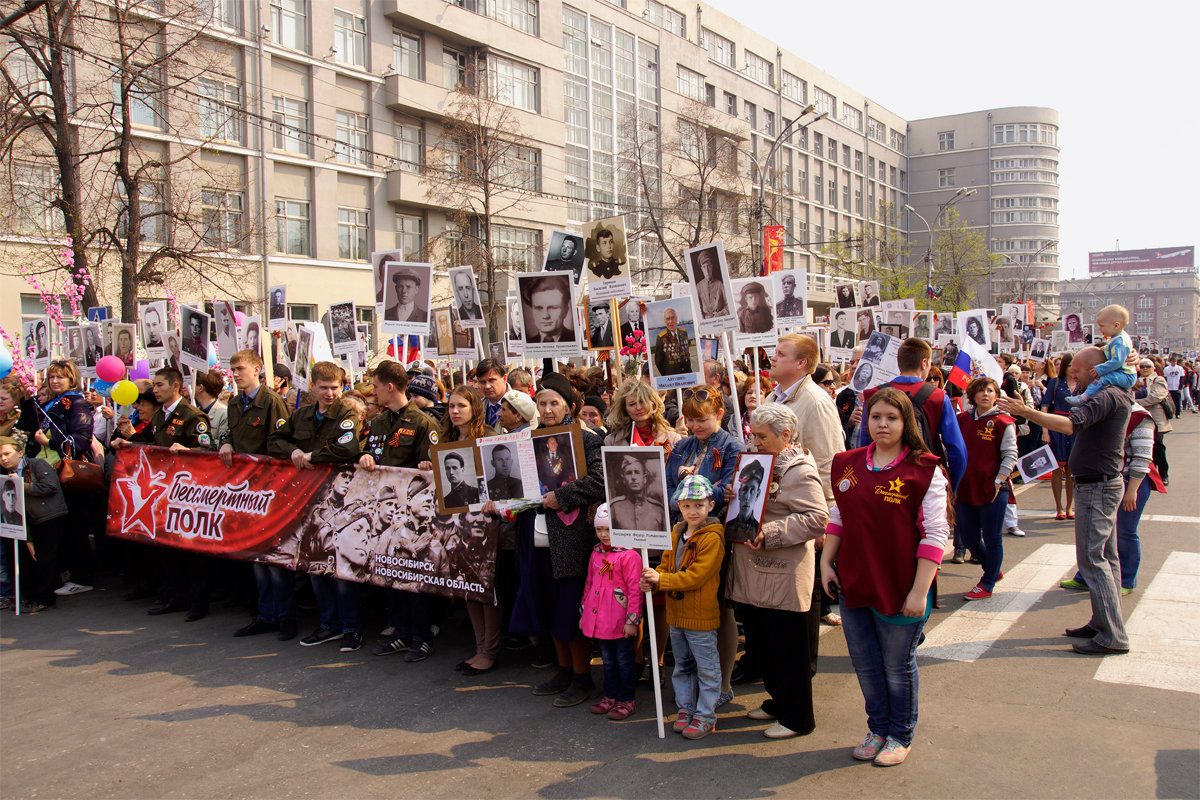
[[401, 438], [186, 425], [248, 429], [333, 439]]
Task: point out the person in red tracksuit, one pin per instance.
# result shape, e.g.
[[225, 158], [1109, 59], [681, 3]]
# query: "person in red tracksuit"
[[982, 495]]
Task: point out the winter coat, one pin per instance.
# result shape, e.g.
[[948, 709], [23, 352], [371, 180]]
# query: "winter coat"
[[44, 499], [691, 588], [1156, 393], [571, 543], [611, 599]]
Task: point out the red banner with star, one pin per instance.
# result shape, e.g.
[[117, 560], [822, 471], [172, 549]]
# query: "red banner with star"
[[370, 526]]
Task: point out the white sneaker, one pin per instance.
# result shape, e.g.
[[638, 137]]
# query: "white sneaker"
[[1015, 532], [70, 587], [387, 632]]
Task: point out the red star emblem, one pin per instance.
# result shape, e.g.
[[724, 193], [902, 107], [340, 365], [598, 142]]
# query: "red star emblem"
[[140, 493]]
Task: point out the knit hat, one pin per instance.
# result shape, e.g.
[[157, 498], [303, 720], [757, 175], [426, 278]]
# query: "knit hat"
[[596, 403], [423, 386], [282, 371], [523, 404], [602, 520], [694, 487], [556, 382]]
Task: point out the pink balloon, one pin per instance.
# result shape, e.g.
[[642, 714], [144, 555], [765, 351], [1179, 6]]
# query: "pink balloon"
[[239, 318], [110, 368], [140, 372]]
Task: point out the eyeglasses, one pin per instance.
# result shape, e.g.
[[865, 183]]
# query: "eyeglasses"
[[702, 394], [1146, 366], [830, 382]]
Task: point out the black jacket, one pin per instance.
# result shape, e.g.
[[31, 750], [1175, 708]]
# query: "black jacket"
[[44, 499]]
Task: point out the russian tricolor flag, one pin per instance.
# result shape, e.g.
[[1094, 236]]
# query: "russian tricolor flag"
[[960, 373]]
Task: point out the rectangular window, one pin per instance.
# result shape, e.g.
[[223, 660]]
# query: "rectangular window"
[[720, 49], [946, 140], [946, 178], [833, 193], [519, 167], [794, 88], [410, 151], [517, 248], [846, 197], [819, 144], [145, 102], [291, 227], [513, 83], [519, 14], [353, 234], [407, 56], [352, 135], [858, 161], [750, 114], [302, 312], [291, 124], [898, 141], [846, 156], [34, 188], [221, 213], [876, 130], [852, 117], [690, 83], [455, 72], [220, 110], [824, 101], [759, 69], [224, 13], [666, 18], [350, 37], [289, 23], [731, 104], [410, 236], [768, 122]]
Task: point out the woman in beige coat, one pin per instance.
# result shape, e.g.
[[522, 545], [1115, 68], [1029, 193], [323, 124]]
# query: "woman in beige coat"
[[772, 576]]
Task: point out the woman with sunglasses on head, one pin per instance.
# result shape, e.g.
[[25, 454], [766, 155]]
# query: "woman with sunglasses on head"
[[711, 452]]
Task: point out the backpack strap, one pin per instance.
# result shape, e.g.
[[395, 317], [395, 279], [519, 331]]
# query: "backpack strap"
[[923, 394]]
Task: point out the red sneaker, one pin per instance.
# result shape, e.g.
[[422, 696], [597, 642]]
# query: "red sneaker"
[[603, 705], [622, 709], [978, 593]]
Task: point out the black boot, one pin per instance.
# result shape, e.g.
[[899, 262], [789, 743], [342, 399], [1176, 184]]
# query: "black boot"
[[582, 688], [556, 684]]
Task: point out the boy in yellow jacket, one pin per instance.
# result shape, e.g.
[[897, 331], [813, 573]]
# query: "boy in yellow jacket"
[[689, 575]]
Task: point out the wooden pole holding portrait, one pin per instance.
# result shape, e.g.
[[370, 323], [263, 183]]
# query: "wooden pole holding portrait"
[[737, 411]]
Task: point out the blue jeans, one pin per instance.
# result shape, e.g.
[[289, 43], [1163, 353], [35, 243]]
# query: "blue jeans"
[[275, 593], [7, 573], [885, 661], [982, 528], [620, 670], [1096, 556], [411, 614], [1129, 546], [696, 663], [337, 603]]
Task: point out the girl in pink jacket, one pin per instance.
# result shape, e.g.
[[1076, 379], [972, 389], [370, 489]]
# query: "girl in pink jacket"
[[611, 613]]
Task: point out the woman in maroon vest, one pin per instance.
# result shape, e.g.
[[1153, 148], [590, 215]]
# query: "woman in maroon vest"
[[982, 495], [887, 531]]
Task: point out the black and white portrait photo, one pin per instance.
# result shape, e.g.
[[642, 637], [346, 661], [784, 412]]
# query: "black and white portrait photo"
[[974, 325], [1060, 342], [75, 344], [1036, 464], [379, 261], [864, 323], [712, 288], [250, 334], [672, 342], [225, 324], [124, 347], [844, 295], [601, 328], [154, 329], [442, 332], [343, 336], [12, 508], [870, 294], [276, 308], [516, 325], [631, 316], [36, 336], [565, 253], [304, 346], [93, 347], [407, 289], [944, 325], [922, 325], [949, 352], [1037, 350], [791, 293], [901, 322], [604, 243], [548, 313], [842, 333], [466, 297], [502, 472], [636, 487], [456, 475], [864, 377], [193, 345], [755, 311], [751, 483]]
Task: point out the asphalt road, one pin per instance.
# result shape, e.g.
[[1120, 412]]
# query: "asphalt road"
[[99, 700]]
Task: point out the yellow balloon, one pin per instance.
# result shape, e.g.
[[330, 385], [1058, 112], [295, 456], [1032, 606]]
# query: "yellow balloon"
[[125, 393]]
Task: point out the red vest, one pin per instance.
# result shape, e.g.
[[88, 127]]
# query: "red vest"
[[932, 405], [877, 560], [983, 438]]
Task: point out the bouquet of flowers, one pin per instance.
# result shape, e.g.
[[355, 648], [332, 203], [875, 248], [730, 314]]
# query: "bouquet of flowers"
[[634, 347]]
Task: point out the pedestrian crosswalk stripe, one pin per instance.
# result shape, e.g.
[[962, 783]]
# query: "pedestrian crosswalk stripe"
[[1164, 631], [971, 631], [1039, 513]]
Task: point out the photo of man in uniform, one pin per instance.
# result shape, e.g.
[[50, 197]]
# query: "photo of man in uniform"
[[635, 508], [502, 485], [789, 305], [153, 327], [195, 339], [459, 489], [278, 307], [605, 264], [710, 287], [754, 312], [743, 527], [565, 254], [672, 347], [870, 293], [341, 324], [10, 512]]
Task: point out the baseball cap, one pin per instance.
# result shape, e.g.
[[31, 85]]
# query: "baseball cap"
[[423, 386], [603, 519], [694, 487]]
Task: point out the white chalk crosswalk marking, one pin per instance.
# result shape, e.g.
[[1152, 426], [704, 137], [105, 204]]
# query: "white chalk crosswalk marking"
[[1164, 631], [971, 631]]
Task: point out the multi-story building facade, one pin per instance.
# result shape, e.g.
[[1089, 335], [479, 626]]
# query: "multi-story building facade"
[[318, 126], [999, 170]]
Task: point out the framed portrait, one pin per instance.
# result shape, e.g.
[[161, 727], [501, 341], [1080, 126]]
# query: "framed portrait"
[[466, 297], [843, 329], [12, 508], [708, 270], [635, 484], [672, 344], [1005, 335], [709, 348], [93, 347], [630, 310], [1038, 349], [193, 345], [406, 292], [1015, 312], [225, 325], [607, 259], [890, 330], [1036, 464], [379, 262], [935, 357], [1089, 334], [514, 323], [601, 325], [558, 456], [566, 252], [456, 471], [548, 315], [502, 470], [443, 331], [870, 294], [901, 320], [751, 487], [304, 357], [844, 295], [276, 307], [791, 297], [74, 348], [124, 346], [35, 335], [922, 325], [864, 323], [949, 352], [755, 312], [944, 324], [464, 338], [343, 336], [1073, 325], [974, 325], [153, 317]]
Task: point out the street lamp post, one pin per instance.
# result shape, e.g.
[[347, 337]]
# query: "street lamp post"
[[961, 194], [762, 178]]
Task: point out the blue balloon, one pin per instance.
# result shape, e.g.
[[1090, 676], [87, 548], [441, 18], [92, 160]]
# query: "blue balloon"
[[103, 388], [6, 362]]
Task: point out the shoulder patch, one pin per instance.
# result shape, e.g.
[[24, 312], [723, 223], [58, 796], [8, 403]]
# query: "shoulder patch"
[[279, 422], [433, 437], [201, 426], [346, 424], [345, 438], [203, 439]]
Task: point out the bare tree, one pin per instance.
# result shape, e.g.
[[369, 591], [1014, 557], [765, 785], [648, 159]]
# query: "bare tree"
[[482, 171]]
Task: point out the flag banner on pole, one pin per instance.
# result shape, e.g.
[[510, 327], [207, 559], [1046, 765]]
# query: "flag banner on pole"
[[772, 249], [960, 373], [369, 526]]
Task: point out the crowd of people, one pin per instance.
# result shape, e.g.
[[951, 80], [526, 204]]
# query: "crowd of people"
[[867, 493]]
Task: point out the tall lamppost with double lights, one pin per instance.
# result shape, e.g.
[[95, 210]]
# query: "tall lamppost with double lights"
[[961, 194]]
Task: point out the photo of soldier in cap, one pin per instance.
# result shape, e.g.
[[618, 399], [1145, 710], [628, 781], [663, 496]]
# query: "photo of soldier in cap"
[[604, 246], [404, 300], [789, 310], [277, 308], [751, 487], [636, 487], [753, 306]]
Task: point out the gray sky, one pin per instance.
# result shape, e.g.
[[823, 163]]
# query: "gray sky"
[[1122, 77]]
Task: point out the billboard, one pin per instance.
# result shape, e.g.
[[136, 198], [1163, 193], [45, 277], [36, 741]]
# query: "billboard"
[[1137, 260]]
